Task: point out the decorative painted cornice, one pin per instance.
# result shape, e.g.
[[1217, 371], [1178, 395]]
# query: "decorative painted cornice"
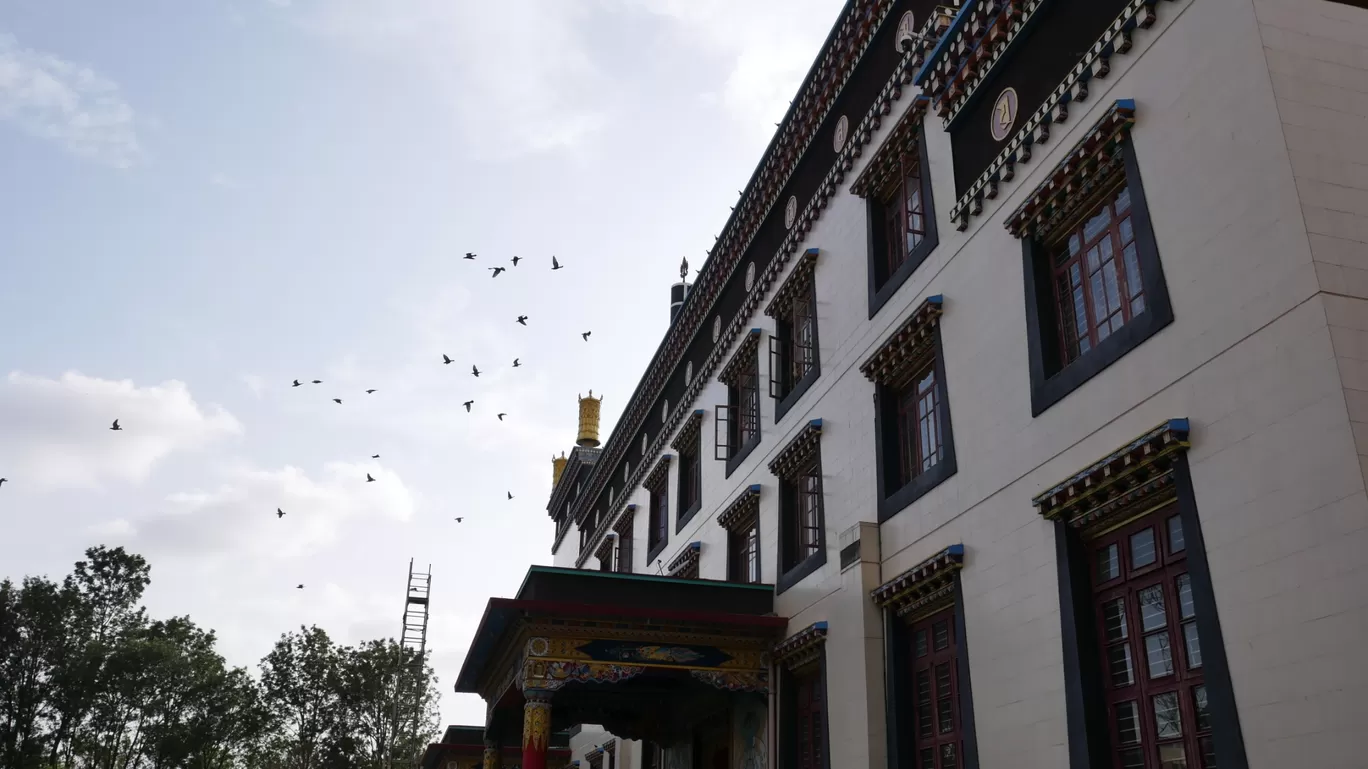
[[1096, 63], [742, 509], [659, 473], [687, 558], [907, 345], [623, 525], [989, 30], [883, 169], [581, 457], [605, 550], [1089, 168], [923, 586], [798, 282], [726, 256], [798, 450], [802, 647], [688, 432], [1141, 468], [745, 355], [734, 680]]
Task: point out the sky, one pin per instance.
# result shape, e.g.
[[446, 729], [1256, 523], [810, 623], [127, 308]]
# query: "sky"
[[201, 202]]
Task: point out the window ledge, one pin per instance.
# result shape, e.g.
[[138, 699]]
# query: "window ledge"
[[734, 461], [915, 489], [798, 573], [782, 406], [685, 516], [1047, 393]]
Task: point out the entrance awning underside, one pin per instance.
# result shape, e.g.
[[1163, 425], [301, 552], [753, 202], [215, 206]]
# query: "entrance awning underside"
[[644, 656]]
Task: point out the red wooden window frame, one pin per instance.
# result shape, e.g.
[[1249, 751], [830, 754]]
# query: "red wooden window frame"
[[690, 479], [744, 397], [937, 731], [810, 734], [921, 431], [743, 544], [803, 513], [1151, 654], [796, 342], [1097, 283], [658, 516], [904, 215], [624, 550]]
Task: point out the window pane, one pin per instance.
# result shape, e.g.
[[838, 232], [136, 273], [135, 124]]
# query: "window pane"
[[948, 758], [1160, 655], [1097, 224], [1109, 276], [1142, 549], [1108, 563], [1122, 669], [1194, 647], [928, 758], [1175, 533], [1123, 200], [943, 680], [1114, 620], [1199, 708], [1128, 723], [1125, 230], [1168, 723], [1152, 616], [946, 712], [1208, 748], [1172, 756], [921, 643], [942, 634], [1185, 607], [1133, 758]]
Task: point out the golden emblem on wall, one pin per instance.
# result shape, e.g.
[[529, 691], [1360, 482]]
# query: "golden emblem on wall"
[[1004, 114]]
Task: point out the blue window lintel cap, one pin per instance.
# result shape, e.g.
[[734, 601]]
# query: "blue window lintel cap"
[[631, 507], [955, 550], [698, 412], [755, 488], [1125, 104], [755, 330], [820, 625], [815, 424], [812, 251], [936, 299], [695, 545]]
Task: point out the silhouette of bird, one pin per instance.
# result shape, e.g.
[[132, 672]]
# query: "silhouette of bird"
[[337, 400], [369, 479], [516, 363], [280, 513], [368, 392], [586, 335], [297, 383], [318, 381], [446, 359], [116, 425], [555, 265], [467, 405], [375, 456], [496, 270], [510, 495], [475, 370], [522, 319], [469, 255], [458, 520], [300, 586], [501, 416], [2, 481], [516, 259]]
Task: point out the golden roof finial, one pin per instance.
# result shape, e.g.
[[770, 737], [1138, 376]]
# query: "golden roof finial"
[[557, 468], [589, 420]]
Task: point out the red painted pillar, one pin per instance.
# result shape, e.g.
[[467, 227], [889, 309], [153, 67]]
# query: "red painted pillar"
[[536, 728]]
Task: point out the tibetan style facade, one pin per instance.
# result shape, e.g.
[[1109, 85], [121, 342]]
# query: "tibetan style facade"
[[1018, 419]]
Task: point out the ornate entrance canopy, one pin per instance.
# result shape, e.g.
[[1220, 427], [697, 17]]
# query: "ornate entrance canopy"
[[645, 656]]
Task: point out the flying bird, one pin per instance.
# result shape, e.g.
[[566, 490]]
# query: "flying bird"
[[2, 481], [297, 383], [467, 405], [368, 392], [337, 400], [555, 265], [475, 370], [497, 270], [369, 479], [116, 425], [586, 335], [280, 513], [510, 495], [516, 363], [318, 381], [516, 259], [522, 319], [446, 359], [501, 416], [458, 520], [375, 456], [469, 255], [300, 586]]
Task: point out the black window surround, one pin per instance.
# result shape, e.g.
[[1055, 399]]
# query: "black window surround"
[[1102, 161], [918, 339], [1143, 474], [740, 518], [929, 587], [742, 377], [798, 457], [689, 444], [657, 485], [799, 287], [803, 653], [883, 172]]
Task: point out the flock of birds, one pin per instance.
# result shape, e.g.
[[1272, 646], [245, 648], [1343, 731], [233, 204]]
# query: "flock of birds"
[[446, 360]]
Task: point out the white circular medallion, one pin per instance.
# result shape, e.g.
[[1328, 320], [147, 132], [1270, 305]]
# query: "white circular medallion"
[[688, 372], [717, 328], [750, 276], [611, 491], [1004, 114], [790, 211], [538, 647], [626, 470], [907, 31], [645, 441], [842, 132], [665, 411]]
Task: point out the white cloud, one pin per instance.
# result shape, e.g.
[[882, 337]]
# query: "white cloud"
[[256, 384], [237, 519], [220, 179], [61, 101], [57, 430], [517, 76]]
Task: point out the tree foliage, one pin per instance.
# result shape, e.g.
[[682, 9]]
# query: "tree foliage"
[[88, 681]]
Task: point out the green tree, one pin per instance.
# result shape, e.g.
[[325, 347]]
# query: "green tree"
[[32, 632], [375, 677], [299, 681]]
